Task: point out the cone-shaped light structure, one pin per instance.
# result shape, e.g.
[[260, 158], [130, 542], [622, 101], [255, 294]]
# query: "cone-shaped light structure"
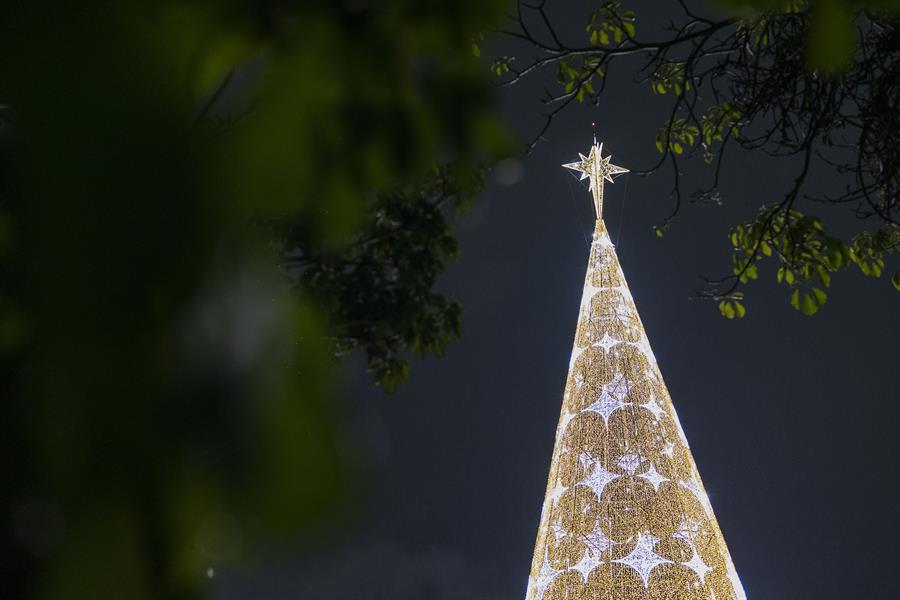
[[625, 516]]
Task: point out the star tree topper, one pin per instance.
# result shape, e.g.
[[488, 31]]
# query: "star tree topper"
[[597, 168]]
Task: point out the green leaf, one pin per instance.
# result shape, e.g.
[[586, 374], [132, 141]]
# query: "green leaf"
[[726, 309], [393, 374], [765, 248], [604, 38], [820, 296], [824, 275], [808, 306], [476, 51], [677, 148], [795, 299], [895, 280], [876, 268], [789, 276], [741, 311]]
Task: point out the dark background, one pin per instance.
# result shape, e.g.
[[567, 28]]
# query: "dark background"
[[792, 419]]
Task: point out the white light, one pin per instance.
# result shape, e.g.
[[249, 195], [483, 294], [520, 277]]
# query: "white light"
[[629, 443]]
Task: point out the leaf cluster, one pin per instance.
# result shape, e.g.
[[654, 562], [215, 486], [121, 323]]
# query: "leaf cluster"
[[805, 253], [609, 24], [378, 289]]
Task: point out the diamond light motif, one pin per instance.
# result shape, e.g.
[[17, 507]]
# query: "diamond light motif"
[[699, 567], [543, 579], [611, 399], [597, 542], [598, 478], [654, 477], [557, 492], [643, 559], [607, 342], [687, 531], [630, 462], [587, 564], [654, 408]]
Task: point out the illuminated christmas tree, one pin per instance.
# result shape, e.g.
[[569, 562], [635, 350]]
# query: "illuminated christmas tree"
[[625, 516]]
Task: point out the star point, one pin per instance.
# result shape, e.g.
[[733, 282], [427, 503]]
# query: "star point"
[[699, 567], [587, 564], [643, 559], [557, 492], [598, 478], [598, 169], [654, 477], [544, 578]]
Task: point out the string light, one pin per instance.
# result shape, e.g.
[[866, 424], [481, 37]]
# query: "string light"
[[625, 516]]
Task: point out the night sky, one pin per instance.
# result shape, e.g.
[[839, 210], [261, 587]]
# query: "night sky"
[[792, 420]]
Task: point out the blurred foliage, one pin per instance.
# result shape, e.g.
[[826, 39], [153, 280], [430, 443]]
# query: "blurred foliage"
[[165, 375], [811, 79]]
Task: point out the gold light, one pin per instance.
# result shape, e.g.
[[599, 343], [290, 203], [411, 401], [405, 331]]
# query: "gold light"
[[625, 515]]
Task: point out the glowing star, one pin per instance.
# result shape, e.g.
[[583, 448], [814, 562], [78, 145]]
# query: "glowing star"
[[587, 564], [687, 531], [557, 492], [598, 479], [564, 420], [607, 342], [544, 578], [558, 531], [654, 477], [697, 490], [597, 542], [699, 567], [643, 559], [611, 399], [630, 462], [587, 461], [655, 408], [597, 169]]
